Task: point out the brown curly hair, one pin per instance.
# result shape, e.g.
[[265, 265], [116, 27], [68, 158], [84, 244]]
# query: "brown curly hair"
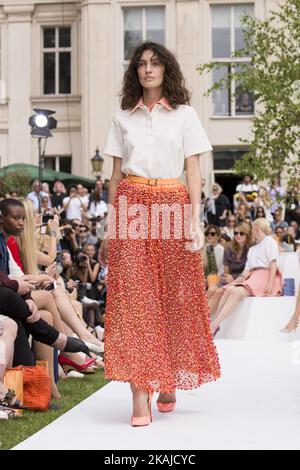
[[173, 84]]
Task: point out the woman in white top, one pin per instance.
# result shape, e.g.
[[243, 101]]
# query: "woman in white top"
[[157, 331], [261, 276]]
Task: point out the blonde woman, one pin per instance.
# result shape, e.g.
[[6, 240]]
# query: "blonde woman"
[[235, 257], [261, 276], [31, 257]]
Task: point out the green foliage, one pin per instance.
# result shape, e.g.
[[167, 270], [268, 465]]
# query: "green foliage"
[[18, 181], [273, 77]]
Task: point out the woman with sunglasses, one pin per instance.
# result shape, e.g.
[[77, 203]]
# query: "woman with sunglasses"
[[260, 213], [214, 251], [261, 276], [235, 257]]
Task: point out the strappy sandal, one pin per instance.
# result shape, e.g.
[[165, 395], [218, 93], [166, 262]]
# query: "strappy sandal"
[[8, 402]]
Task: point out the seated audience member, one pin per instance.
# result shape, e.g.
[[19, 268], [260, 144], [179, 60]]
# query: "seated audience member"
[[214, 251], [229, 227], [8, 334], [225, 240], [243, 212], [263, 200], [235, 257], [36, 193], [278, 221], [97, 207], [259, 213], [261, 276], [285, 242], [276, 194], [12, 216], [218, 206], [296, 227], [59, 193]]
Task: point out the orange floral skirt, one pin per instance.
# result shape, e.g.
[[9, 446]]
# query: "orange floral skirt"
[[157, 327]]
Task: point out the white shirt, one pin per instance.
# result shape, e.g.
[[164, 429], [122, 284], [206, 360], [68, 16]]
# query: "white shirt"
[[98, 208], [261, 254], [219, 254], [74, 209], [154, 144], [14, 268], [246, 188]]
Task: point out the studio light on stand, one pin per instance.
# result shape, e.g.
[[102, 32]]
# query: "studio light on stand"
[[41, 122]]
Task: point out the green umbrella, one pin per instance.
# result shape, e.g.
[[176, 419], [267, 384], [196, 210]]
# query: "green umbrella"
[[48, 175]]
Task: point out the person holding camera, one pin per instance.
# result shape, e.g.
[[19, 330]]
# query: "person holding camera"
[[88, 269], [68, 241], [74, 205]]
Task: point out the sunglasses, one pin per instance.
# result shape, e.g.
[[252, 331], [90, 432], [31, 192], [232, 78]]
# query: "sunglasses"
[[83, 230], [212, 234], [239, 233]]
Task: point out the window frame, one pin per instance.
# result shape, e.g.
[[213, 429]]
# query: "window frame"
[[125, 62], [230, 61], [57, 161], [57, 50]]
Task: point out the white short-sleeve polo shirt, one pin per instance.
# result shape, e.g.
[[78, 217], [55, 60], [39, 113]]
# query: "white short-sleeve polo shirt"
[[155, 143]]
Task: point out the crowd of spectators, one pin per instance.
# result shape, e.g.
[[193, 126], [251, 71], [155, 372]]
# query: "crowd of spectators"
[[52, 256]]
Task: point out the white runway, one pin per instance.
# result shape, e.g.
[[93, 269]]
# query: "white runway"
[[256, 405]]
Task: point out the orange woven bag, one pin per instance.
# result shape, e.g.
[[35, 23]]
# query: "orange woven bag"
[[37, 387]]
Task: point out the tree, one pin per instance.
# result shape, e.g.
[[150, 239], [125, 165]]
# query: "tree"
[[273, 77], [18, 181]]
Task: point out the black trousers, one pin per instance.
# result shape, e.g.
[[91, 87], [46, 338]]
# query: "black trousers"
[[13, 306]]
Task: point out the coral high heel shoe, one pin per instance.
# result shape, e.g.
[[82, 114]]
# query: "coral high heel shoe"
[[165, 407], [69, 365], [143, 420]]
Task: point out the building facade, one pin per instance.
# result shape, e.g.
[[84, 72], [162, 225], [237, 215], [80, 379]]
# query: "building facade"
[[70, 56]]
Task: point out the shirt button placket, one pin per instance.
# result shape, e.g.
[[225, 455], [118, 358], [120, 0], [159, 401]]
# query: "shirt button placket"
[[149, 123]]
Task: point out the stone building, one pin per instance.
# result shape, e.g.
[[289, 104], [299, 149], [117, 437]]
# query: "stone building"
[[70, 56]]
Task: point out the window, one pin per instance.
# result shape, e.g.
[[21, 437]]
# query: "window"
[[227, 37], [224, 159], [57, 61], [142, 24], [59, 163]]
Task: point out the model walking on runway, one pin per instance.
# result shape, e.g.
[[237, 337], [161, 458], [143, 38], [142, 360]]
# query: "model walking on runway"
[[157, 329]]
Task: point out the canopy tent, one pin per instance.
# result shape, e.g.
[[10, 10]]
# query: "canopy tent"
[[48, 175]]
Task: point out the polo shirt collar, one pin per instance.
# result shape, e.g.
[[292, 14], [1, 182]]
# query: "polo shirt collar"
[[163, 101]]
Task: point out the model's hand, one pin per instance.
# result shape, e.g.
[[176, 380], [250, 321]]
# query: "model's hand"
[[35, 316], [196, 237], [103, 252]]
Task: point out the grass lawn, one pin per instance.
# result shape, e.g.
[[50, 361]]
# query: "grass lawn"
[[73, 391]]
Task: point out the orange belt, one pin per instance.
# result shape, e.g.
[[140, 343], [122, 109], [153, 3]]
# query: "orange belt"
[[152, 181]]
